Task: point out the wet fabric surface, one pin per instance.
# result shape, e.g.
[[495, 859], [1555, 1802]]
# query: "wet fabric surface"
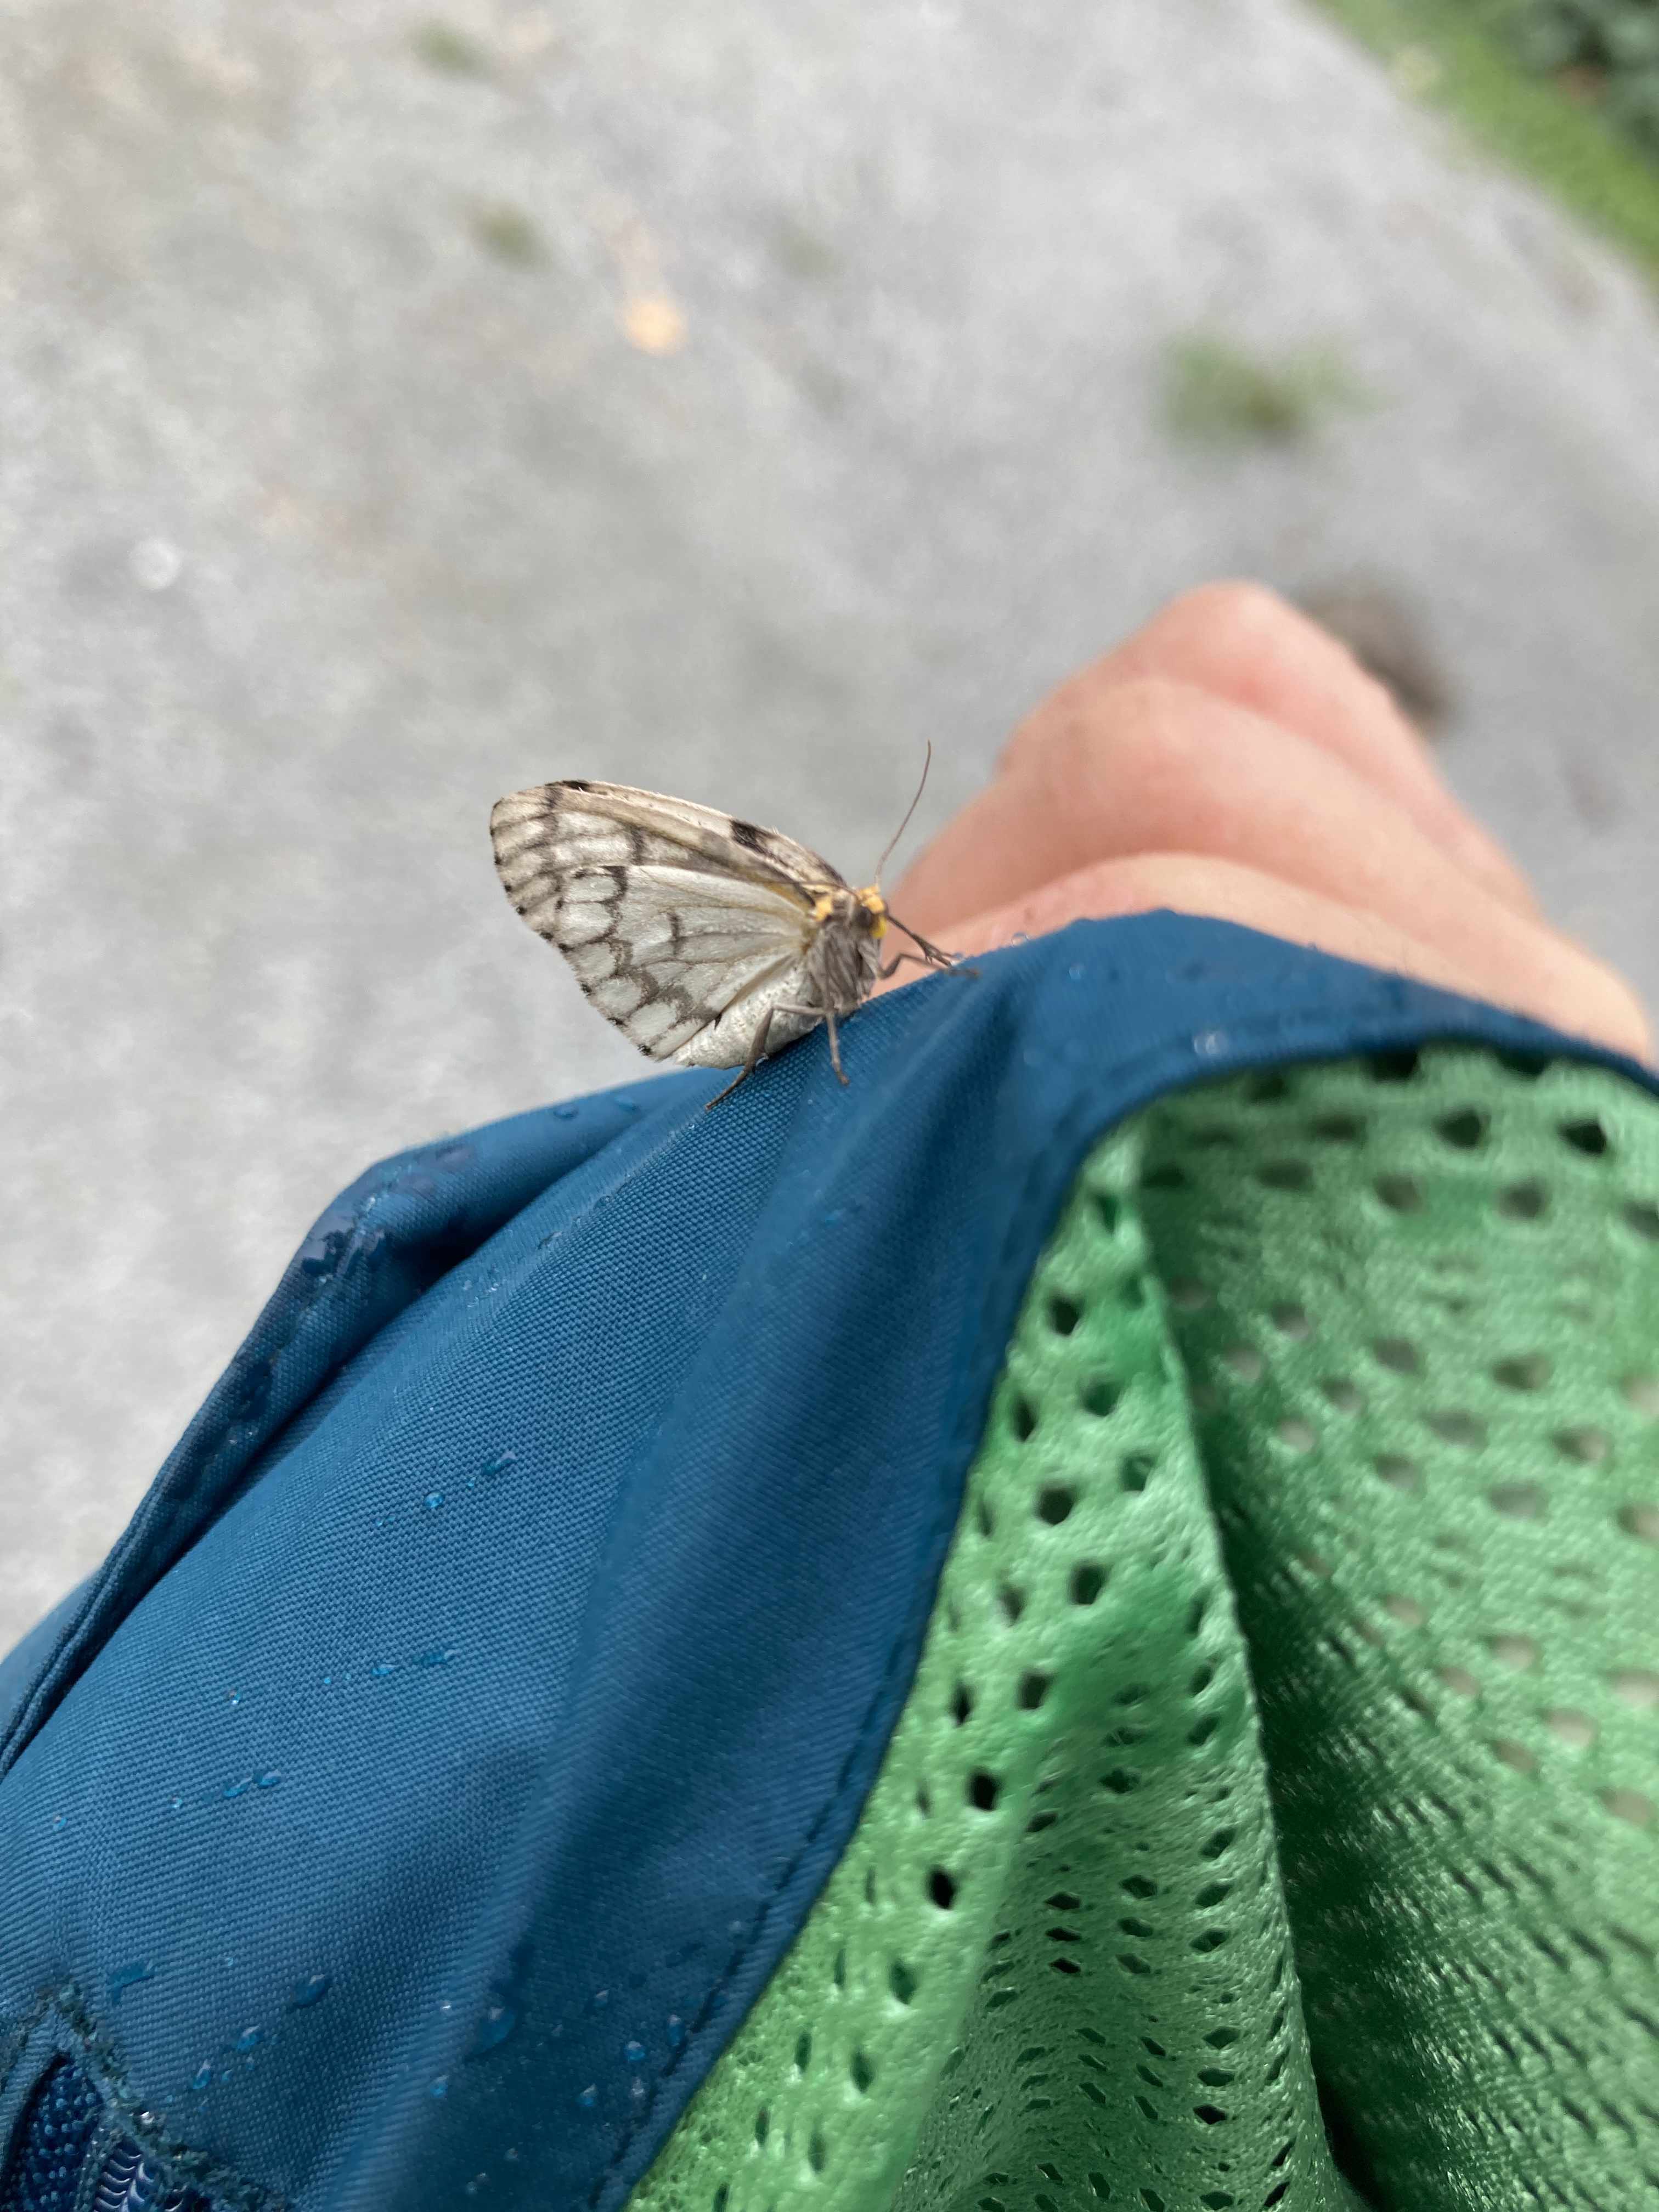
[[444, 1760]]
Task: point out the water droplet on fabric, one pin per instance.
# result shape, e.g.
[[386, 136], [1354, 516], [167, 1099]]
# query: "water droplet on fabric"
[[311, 1991], [432, 1500], [439, 2087], [626, 1105], [1076, 972], [381, 1669], [60, 1821], [236, 1788], [498, 2023], [440, 1656], [503, 1463], [634, 2053], [270, 1778], [250, 2038], [589, 2097], [203, 2076], [233, 1697], [676, 2031], [565, 1113], [129, 1977], [1208, 1043]]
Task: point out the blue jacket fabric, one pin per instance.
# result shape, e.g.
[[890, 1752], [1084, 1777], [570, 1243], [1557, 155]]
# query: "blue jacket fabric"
[[448, 1753]]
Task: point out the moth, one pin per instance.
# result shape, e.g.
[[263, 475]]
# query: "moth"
[[706, 939]]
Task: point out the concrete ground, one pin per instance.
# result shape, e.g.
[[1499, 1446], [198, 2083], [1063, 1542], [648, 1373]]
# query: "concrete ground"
[[398, 408]]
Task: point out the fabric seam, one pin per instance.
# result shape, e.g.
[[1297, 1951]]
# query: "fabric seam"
[[81, 2039], [1064, 1143]]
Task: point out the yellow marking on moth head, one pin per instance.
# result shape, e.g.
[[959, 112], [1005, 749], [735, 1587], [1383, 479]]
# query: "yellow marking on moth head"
[[871, 900], [823, 906]]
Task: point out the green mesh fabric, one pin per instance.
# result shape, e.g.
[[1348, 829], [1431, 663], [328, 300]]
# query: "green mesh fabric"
[[1420, 1309], [1274, 1807]]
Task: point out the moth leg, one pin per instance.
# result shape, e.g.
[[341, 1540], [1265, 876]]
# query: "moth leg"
[[756, 1047], [934, 957], [903, 959], [826, 1015]]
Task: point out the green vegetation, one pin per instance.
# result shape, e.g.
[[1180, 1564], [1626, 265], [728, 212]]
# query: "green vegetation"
[[450, 51], [1216, 393], [1611, 48], [1555, 87], [509, 233]]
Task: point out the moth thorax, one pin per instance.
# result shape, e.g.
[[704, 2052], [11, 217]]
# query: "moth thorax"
[[864, 911]]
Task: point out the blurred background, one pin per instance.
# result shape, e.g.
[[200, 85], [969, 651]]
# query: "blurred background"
[[399, 407]]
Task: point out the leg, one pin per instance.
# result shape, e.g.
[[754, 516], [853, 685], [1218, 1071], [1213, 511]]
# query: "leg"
[[756, 1047], [933, 956], [902, 960], [827, 1016]]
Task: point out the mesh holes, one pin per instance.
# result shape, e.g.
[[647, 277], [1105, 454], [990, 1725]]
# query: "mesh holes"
[[1448, 1580], [1069, 1839], [1414, 1300], [67, 2156]]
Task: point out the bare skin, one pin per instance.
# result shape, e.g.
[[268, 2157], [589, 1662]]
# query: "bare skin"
[[1233, 759]]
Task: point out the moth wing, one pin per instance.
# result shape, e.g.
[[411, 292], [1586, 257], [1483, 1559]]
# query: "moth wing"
[[664, 952], [558, 827]]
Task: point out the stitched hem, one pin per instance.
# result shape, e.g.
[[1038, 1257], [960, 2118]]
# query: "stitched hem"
[[61, 2025]]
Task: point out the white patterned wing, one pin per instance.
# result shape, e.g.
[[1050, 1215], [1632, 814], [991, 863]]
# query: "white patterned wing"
[[678, 932], [578, 824]]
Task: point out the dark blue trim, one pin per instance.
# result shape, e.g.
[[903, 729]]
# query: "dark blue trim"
[[67, 2157]]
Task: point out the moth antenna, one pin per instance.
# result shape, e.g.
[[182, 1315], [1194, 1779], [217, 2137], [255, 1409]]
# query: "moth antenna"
[[887, 852]]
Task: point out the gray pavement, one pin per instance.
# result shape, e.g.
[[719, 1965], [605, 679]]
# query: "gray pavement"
[[395, 410]]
